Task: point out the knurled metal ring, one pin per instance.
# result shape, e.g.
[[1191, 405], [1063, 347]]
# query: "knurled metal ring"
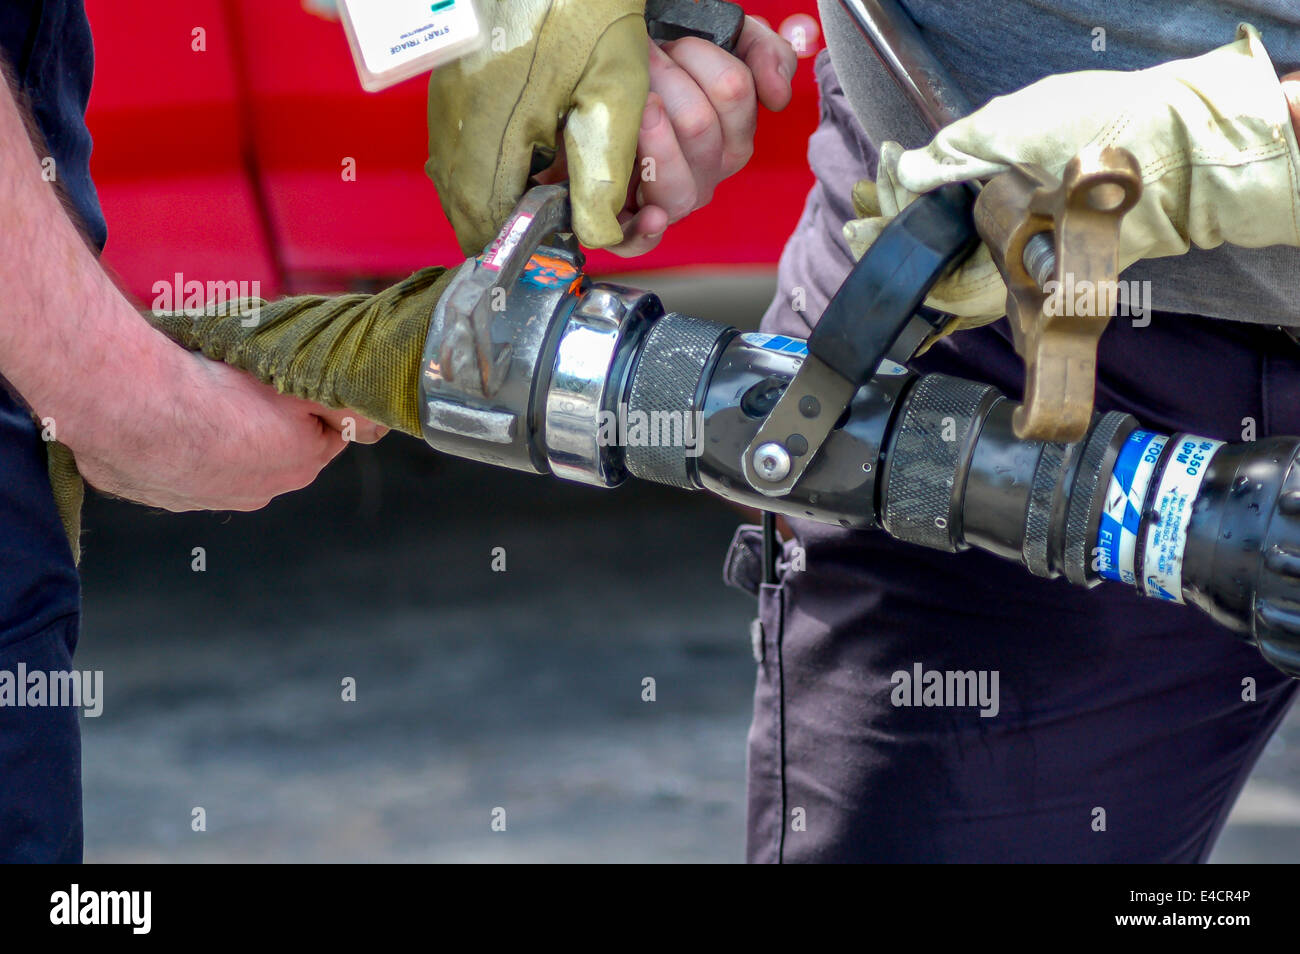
[[1038, 515], [1085, 507]]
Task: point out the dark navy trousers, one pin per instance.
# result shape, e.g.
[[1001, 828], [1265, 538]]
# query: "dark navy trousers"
[[1126, 727], [47, 48]]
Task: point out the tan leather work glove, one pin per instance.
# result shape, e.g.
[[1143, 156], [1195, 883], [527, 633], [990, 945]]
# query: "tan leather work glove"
[[1213, 136], [360, 352], [580, 66]]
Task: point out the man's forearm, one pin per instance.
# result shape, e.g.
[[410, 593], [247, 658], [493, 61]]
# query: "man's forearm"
[[67, 335]]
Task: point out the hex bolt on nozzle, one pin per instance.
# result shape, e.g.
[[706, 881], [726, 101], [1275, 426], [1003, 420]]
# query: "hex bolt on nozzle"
[[771, 461]]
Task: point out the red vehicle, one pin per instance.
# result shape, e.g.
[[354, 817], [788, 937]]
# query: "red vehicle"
[[223, 129]]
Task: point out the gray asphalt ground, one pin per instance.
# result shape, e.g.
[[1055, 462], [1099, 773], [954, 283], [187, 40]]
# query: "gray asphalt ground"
[[475, 690]]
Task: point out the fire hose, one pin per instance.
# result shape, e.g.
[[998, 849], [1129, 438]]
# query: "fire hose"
[[531, 365]]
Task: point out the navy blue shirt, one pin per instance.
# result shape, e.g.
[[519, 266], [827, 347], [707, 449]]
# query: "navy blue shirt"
[[47, 46]]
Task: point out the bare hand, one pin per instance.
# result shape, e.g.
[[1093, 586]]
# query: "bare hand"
[[699, 124], [698, 127], [209, 437]]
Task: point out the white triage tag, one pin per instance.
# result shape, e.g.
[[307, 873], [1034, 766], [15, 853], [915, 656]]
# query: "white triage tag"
[[393, 40]]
